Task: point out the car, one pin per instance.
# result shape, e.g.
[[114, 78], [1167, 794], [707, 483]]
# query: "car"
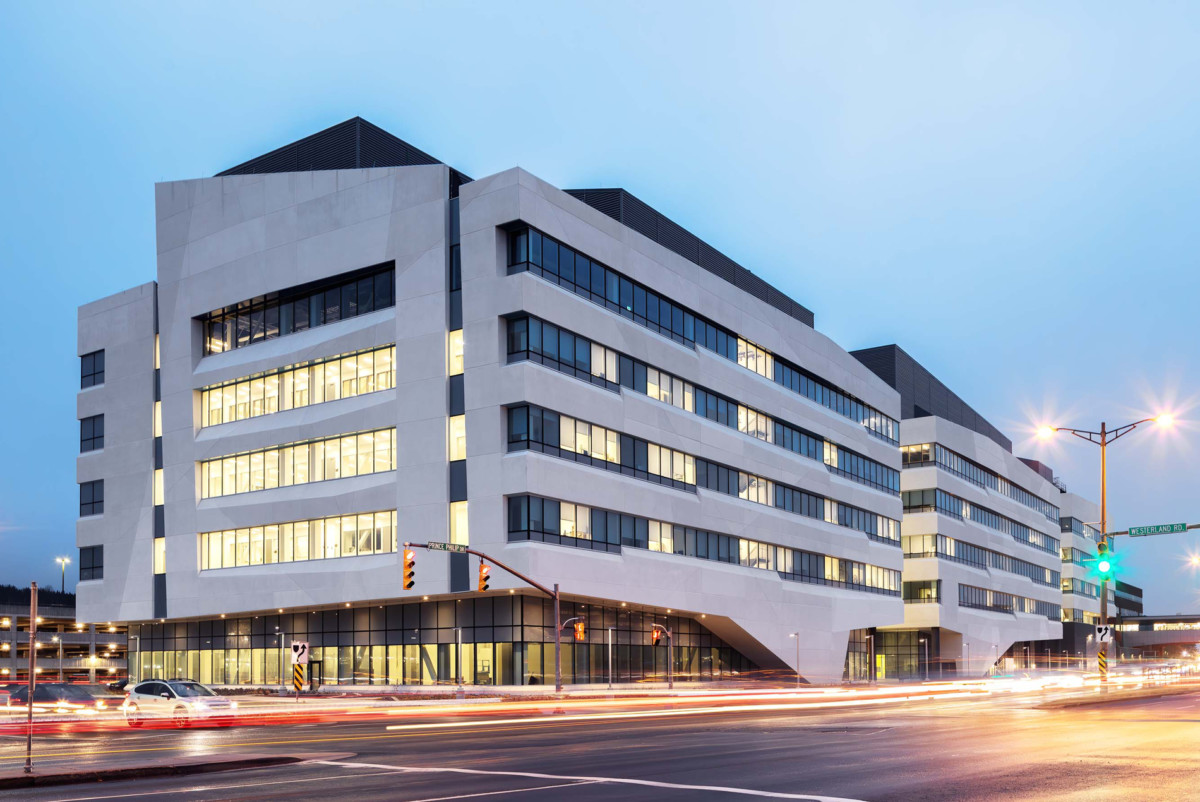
[[118, 686], [57, 697], [179, 701]]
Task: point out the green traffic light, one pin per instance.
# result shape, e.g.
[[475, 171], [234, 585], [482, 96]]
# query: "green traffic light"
[[1104, 566]]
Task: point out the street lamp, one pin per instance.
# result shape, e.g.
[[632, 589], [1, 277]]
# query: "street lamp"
[[796, 635], [63, 562], [60, 666], [1102, 438], [925, 642]]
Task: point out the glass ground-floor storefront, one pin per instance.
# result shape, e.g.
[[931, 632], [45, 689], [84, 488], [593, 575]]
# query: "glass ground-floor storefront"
[[506, 640]]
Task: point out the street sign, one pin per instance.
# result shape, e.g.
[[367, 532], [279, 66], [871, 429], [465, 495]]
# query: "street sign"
[[1104, 634], [299, 652], [298, 679], [1160, 529], [446, 547]]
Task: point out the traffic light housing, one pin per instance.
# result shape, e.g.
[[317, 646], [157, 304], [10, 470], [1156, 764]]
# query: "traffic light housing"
[[483, 576], [655, 634], [410, 568], [1105, 563], [580, 630]]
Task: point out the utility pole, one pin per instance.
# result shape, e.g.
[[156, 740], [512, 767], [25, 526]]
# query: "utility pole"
[[610, 634], [1102, 438], [32, 677]]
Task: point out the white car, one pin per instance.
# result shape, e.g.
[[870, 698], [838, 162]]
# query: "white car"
[[179, 701]]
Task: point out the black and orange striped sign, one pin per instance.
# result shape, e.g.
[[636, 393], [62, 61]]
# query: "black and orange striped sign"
[[298, 677]]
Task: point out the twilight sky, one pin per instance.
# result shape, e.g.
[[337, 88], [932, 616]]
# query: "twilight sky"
[[1010, 193]]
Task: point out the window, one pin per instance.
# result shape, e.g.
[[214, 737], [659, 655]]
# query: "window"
[[91, 434], [299, 463], [298, 308], [458, 437], [530, 338], [358, 535], [91, 369], [563, 523], [553, 261], [158, 487], [160, 555], [91, 498], [300, 385], [458, 523], [455, 351], [91, 563]]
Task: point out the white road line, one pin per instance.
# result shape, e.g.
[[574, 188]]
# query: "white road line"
[[498, 793], [616, 780], [198, 788]]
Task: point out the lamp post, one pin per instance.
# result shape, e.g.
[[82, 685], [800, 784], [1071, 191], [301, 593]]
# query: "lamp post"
[[1102, 438], [63, 562], [796, 635], [58, 640], [610, 634], [925, 642]]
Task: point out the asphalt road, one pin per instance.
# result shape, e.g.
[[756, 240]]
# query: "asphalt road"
[[991, 748]]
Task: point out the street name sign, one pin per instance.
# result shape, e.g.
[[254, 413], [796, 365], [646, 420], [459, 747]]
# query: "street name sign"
[[445, 547], [299, 652], [1104, 634], [1160, 529]]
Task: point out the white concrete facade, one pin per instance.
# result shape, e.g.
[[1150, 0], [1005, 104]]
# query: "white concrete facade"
[[229, 239], [968, 638]]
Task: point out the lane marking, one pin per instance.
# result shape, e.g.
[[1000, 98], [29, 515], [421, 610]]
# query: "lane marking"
[[498, 793], [617, 780]]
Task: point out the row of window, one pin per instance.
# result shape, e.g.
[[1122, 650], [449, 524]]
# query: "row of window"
[[1072, 615], [1074, 555], [994, 600], [299, 385], [543, 256], [91, 563], [299, 463], [561, 522], [1080, 528], [91, 434], [955, 463], [91, 369], [537, 340], [927, 591], [937, 500], [1080, 587], [298, 541], [298, 309], [563, 436], [960, 551]]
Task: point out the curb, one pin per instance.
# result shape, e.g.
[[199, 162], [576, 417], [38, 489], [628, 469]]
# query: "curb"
[[1115, 698], [135, 772]]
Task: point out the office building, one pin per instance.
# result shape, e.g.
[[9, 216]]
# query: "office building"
[[980, 534], [349, 345]]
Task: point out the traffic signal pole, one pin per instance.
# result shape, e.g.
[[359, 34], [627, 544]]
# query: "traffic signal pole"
[[553, 594]]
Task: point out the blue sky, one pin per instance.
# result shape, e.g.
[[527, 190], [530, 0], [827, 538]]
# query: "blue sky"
[[1009, 192]]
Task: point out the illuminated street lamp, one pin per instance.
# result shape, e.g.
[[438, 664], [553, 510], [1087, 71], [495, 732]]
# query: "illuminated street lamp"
[[1102, 438], [63, 561]]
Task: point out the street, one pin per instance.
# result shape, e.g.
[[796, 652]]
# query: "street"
[[994, 747]]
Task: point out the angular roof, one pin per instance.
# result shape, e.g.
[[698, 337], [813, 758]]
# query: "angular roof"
[[350, 145]]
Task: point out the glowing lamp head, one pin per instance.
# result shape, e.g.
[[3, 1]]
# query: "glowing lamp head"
[[1046, 432], [1165, 419]]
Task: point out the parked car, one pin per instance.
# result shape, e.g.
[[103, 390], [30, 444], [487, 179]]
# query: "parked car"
[[58, 697], [179, 701], [118, 686]]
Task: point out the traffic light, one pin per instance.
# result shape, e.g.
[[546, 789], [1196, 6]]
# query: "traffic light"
[[483, 576], [580, 630], [410, 568], [655, 634], [1105, 563]]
